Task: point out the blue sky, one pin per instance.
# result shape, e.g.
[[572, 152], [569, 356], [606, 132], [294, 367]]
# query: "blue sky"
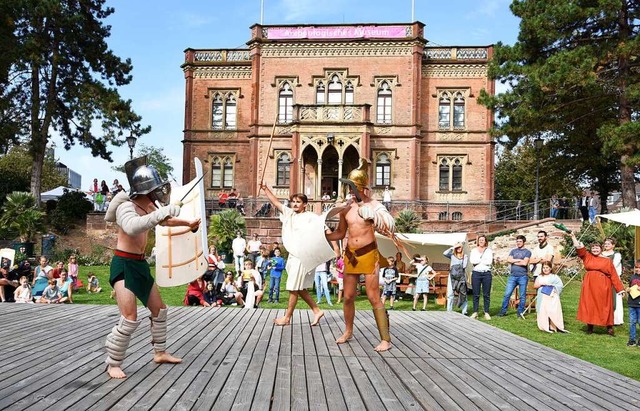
[[155, 33]]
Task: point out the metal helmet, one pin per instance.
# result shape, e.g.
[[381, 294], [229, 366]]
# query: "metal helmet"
[[145, 180], [360, 175]]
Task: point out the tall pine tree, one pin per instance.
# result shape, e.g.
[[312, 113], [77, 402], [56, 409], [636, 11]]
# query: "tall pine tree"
[[574, 75], [65, 78]]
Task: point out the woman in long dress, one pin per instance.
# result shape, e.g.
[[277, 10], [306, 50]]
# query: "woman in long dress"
[[549, 310], [609, 245], [596, 299]]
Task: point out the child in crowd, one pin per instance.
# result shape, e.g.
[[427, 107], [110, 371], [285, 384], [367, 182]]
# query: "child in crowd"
[[72, 266], [51, 294], [425, 274], [390, 278], [93, 285], [250, 284], [277, 266], [340, 272], [22, 294], [210, 295], [263, 262], [633, 303]]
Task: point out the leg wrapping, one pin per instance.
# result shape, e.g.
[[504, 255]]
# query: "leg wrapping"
[[159, 330], [382, 321], [118, 341]]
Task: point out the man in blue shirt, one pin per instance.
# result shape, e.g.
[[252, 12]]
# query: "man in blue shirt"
[[519, 259]]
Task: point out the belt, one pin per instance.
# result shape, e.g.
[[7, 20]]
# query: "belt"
[[351, 255], [128, 255]]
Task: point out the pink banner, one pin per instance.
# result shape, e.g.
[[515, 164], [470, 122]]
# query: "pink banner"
[[338, 32]]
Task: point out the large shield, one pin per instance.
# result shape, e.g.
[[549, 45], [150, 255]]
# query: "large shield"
[[181, 253]]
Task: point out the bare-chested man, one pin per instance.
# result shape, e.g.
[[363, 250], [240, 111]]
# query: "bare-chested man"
[[130, 276], [361, 219]]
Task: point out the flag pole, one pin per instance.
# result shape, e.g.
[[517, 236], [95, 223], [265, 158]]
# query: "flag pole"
[[261, 12]]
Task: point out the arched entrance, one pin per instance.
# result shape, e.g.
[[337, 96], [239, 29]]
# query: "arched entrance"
[[309, 172], [323, 164]]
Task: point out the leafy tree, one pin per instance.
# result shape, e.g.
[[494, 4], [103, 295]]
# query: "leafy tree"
[[65, 77], [15, 169], [573, 73], [156, 158]]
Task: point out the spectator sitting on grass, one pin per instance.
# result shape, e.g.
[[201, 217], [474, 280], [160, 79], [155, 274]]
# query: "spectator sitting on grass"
[[22, 294], [195, 293], [210, 294], [51, 294], [5, 280], [65, 284], [229, 291], [93, 285], [41, 277]]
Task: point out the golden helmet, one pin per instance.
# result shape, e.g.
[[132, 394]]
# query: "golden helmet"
[[360, 175]]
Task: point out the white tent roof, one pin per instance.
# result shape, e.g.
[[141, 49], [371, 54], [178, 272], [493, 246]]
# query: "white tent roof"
[[627, 218], [432, 245], [57, 192]]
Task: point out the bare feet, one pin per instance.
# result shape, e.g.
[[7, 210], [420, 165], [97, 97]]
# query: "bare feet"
[[345, 337], [282, 321], [317, 317], [115, 372], [383, 346], [165, 358]]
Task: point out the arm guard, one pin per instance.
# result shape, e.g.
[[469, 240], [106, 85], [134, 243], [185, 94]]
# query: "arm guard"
[[134, 224], [382, 220]]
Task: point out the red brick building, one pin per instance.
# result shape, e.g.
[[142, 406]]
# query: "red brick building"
[[333, 93]]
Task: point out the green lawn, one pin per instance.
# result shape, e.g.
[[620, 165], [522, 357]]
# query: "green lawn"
[[598, 348]]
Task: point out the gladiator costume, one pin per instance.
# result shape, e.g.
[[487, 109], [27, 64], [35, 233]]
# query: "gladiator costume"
[[367, 259], [133, 268]]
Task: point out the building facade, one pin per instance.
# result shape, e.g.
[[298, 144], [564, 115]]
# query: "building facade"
[[301, 104]]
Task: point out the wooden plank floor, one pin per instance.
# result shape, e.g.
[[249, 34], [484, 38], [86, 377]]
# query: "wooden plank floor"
[[52, 357]]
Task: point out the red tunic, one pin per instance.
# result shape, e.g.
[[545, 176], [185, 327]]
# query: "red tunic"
[[596, 298]]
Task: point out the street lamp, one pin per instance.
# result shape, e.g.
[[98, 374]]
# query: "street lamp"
[[131, 141], [538, 142]]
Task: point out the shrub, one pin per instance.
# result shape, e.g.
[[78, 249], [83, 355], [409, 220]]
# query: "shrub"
[[72, 207], [407, 221], [223, 228]]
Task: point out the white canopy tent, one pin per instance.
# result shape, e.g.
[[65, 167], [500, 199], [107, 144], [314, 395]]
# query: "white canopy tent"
[[628, 218], [57, 192], [432, 245]]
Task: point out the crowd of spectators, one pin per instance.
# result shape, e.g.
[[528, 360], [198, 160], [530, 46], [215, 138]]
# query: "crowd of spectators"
[[101, 194], [43, 283]]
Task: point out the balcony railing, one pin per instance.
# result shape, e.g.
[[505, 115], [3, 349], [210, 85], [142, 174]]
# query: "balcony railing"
[[216, 56], [331, 113]]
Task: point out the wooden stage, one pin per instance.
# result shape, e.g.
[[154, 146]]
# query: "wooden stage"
[[52, 358]]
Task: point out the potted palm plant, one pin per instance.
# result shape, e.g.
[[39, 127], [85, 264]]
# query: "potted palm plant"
[[22, 217], [223, 228]]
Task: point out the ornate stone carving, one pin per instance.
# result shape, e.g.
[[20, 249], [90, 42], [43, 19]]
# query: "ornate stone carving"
[[337, 49], [454, 70], [284, 130], [381, 130], [451, 136], [456, 53], [223, 72]]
